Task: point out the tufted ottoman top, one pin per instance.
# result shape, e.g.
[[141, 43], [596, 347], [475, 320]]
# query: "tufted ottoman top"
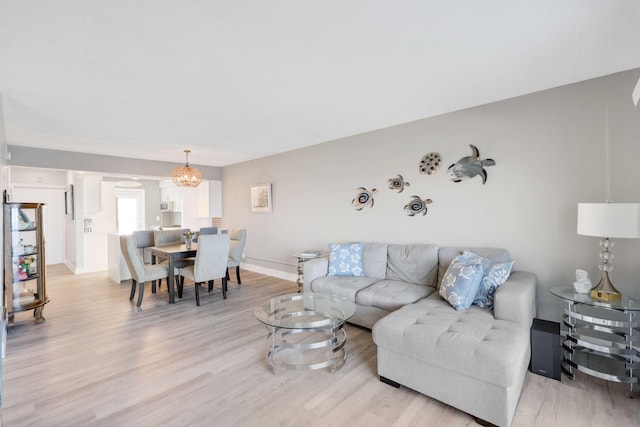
[[470, 342]]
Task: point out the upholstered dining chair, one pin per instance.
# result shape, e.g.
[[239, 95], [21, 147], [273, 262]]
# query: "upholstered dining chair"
[[169, 237], [211, 264], [144, 239], [236, 249], [205, 231], [173, 237], [140, 272]]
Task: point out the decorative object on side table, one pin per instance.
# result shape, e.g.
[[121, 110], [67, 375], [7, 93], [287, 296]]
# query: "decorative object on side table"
[[608, 220], [582, 285]]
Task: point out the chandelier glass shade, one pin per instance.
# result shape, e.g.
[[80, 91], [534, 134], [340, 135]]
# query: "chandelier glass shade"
[[186, 176]]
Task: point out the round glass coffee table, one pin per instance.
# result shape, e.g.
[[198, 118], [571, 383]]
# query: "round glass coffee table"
[[306, 331]]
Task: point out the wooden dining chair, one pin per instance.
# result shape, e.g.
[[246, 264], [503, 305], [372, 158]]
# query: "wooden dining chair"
[[140, 272], [236, 249], [210, 264]]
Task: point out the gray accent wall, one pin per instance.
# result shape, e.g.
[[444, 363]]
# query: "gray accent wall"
[[550, 150]]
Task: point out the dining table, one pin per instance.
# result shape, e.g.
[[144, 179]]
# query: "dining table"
[[172, 253]]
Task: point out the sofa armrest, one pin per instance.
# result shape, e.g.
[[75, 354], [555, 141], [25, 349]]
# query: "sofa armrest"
[[515, 299], [312, 269]]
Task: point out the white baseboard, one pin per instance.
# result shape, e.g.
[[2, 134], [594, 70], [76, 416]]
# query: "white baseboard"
[[71, 266], [292, 277]]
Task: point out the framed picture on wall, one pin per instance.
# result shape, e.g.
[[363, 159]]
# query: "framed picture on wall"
[[261, 198], [68, 202]]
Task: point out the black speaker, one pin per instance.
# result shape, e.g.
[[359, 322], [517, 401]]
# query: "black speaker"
[[546, 357]]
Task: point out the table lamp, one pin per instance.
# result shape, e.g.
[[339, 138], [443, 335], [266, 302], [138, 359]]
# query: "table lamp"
[[608, 220]]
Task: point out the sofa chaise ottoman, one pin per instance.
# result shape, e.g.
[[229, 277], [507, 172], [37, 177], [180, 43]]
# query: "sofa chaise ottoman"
[[474, 359]]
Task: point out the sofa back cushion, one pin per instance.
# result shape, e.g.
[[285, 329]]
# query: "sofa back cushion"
[[374, 260], [413, 263], [447, 253]]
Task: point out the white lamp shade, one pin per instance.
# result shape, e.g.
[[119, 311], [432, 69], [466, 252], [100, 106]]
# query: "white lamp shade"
[[614, 220]]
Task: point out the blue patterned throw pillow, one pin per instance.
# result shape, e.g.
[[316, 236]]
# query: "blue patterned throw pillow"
[[495, 274], [461, 281], [345, 259]]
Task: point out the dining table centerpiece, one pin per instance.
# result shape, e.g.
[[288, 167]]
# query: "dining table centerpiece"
[[188, 238]]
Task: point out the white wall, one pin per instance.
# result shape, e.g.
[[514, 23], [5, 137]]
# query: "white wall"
[[4, 185], [197, 205], [549, 149]]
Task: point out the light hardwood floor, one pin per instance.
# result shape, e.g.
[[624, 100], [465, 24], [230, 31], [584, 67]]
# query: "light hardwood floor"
[[100, 361]]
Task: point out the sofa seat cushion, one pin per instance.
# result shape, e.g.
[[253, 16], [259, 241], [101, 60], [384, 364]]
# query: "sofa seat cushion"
[[471, 342], [342, 286], [392, 294]]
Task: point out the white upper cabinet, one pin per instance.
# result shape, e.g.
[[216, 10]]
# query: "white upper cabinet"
[[202, 199]]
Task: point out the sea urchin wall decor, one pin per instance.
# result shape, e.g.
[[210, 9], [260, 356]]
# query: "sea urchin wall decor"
[[363, 198], [470, 166], [416, 205], [430, 164], [398, 183]]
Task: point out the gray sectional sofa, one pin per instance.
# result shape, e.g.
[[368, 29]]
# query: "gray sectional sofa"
[[474, 360]]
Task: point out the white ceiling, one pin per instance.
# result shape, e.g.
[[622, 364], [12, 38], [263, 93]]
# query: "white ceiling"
[[235, 80]]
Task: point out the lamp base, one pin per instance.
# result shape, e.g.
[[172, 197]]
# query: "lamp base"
[[605, 285]]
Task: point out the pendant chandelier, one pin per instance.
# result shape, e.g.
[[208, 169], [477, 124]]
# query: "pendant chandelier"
[[186, 176]]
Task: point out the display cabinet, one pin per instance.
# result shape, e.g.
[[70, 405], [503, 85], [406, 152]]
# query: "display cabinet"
[[24, 259]]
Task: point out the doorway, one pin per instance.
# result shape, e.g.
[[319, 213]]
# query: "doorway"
[[129, 210]]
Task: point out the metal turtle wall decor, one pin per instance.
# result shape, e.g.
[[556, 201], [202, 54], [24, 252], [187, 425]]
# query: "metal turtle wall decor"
[[470, 166], [363, 198], [430, 164], [398, 183], [416, 206]]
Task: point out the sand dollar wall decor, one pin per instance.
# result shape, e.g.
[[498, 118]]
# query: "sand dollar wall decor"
[[363, 198], [470, 166], [398, 183], [430, 164], [416, 206]]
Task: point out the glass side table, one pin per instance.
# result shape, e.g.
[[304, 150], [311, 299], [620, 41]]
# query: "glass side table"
[[603, 338], [304, 257]]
